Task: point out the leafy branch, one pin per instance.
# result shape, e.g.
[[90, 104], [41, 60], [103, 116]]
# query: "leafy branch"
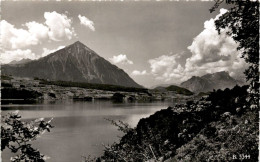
[[16, 135]]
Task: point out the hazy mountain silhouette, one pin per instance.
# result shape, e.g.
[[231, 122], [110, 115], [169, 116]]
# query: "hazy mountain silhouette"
[[208, 82], [22, 61]]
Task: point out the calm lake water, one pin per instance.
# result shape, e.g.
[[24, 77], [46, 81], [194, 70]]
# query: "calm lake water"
[[80, 127]]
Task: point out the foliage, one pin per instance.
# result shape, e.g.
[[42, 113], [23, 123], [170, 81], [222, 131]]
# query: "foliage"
[[232, 137], [118, 97], [242, 22], [105, 87], [52, 95], [201, 94], [123, 127], [229, 100], [163, 134], [212, 129], [17, 135], [14, 93], [126, 152], [6, 85], [6, 77]]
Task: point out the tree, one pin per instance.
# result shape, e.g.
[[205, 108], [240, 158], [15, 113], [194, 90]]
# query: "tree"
[[16, 135], [242, 22]]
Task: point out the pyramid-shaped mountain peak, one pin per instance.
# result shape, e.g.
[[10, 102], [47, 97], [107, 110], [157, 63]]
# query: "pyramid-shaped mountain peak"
[[78, 43], [76, 63]]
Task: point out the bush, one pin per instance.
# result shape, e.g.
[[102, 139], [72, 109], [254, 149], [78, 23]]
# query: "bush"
[[52, 95], [191, 131], [236, 136], [6, 85], [6, 77], [13, 93], [118, 97], [16, 135]]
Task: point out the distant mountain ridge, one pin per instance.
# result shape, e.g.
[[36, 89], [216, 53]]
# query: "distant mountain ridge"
[[208, 82], [22, 61], [177, 89], [76, 63]]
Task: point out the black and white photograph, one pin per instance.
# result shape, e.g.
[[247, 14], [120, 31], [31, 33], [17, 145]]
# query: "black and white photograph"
[[129, 80]]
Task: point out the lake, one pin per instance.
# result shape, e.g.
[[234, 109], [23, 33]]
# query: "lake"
[[80, 127]]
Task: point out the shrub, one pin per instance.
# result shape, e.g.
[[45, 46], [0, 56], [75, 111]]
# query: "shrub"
[[16, 135]]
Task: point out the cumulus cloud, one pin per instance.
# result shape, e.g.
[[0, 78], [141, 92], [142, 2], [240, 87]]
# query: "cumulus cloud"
[[59, 26], [16, 55], [49, 51], [166, 67], [210, 53], [15, 41], [86, 22], [13, 38], [38, 32], [120, 59], [137, 72]]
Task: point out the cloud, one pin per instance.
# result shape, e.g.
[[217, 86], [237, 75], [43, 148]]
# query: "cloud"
[[14, 41], [49, 51], [166, 67], [120, 59], [210, 53], [59, 26], [136, 72], [38, 32], [16, 55], [13, 38], [86, 22]]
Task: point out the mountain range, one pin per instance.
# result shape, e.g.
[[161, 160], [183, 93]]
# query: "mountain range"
[[22, 61], [76, 63], [208, 82]]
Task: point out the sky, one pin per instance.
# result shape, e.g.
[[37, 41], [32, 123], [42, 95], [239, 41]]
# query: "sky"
[[154, 42]]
